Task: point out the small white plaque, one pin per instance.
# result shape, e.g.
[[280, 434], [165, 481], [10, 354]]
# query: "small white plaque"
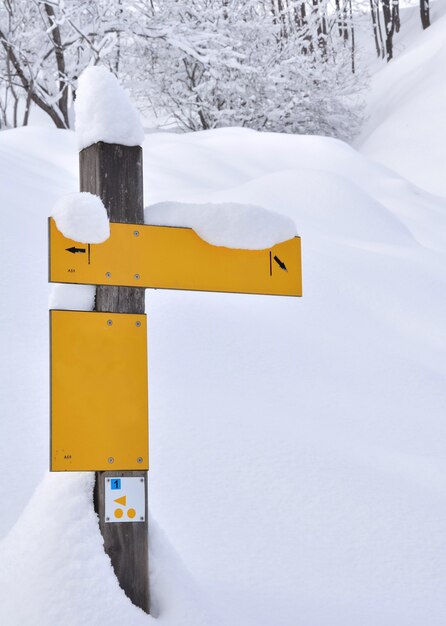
[[125, 499]]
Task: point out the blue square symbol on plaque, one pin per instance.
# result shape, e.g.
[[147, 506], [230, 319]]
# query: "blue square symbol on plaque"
[[116, 483]]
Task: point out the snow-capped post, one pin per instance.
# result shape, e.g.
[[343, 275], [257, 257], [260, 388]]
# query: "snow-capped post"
[[110, 136], [98, 364]]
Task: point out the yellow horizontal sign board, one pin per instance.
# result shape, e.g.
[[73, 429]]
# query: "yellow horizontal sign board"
[[99, 404], [165, 257]]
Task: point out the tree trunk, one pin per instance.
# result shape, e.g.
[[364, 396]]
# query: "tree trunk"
[[27, 109], [389, 25], [375, 27], [282, 18], [321, 22], [396, 15], [352, 37], [425, 14], [378, 19], [60, 62]]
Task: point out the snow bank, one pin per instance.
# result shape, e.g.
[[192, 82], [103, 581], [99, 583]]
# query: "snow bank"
[[81, 216], [175, 597], [297, 461], [58, 572], [104, 111], [226, 224], [406, 129]]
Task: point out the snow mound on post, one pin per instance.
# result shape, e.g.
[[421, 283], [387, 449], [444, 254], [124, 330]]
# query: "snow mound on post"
[[81, 216], [104, 111], [58, 572], [232, 225]]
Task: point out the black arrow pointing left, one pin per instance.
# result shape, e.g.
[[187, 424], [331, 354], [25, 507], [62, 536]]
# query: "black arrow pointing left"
[[75, 250]]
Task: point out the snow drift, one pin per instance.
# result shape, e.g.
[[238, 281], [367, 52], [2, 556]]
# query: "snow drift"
[[296, 444], [406, 129]]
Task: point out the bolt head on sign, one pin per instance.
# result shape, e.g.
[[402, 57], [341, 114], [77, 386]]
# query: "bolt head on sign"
[[125, 499]]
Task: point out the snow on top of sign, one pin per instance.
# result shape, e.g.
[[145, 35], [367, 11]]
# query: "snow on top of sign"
[[81, 216], [228, 224], [104, 111]]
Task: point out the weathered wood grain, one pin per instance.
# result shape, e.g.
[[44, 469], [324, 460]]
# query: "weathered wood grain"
[[114, 173]]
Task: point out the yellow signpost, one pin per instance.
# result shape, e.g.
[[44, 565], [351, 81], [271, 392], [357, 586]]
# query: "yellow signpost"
[[165, 257], [99, 401]]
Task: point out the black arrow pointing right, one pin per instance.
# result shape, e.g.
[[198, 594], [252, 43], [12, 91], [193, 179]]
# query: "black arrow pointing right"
[[280, 263], [75, 250]]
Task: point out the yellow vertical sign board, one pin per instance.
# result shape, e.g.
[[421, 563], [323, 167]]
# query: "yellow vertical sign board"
[[164, 257], [99, 404]]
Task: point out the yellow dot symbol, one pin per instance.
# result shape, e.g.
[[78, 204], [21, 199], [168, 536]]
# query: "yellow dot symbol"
[[119, 513], [131, 513]]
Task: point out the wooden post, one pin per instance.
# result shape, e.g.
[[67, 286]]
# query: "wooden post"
[[114, 173]]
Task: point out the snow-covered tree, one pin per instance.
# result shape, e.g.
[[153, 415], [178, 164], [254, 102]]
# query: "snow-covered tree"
[[272, 65], [46, 44], [390, 10], [268, 64]]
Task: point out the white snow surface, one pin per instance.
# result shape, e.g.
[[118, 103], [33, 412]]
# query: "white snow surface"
[[297, 445], [55, 552], [227, 224], [81, 216], [405, 128], [72, 297], [104, 111]]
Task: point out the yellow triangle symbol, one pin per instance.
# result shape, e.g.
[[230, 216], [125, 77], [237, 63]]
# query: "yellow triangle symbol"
[[122, 500]]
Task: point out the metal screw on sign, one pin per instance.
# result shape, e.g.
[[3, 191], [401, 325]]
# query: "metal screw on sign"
[[111, 459], [139, 459], [138, 324], [109, 322], [108, 274], [136, 233], [137, 277]]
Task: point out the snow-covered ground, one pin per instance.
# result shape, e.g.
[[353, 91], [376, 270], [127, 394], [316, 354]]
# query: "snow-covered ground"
[[406, 128], [297, 445]]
